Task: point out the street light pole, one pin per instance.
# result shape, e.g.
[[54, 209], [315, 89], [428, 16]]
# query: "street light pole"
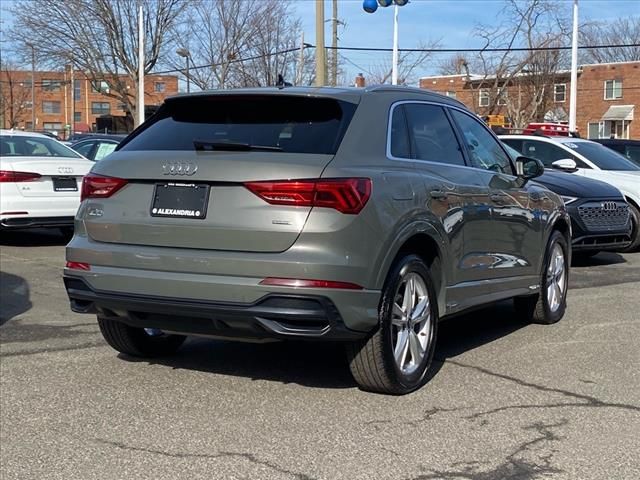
[[140, 99], [574, 70], [394, 65], [183, 52]]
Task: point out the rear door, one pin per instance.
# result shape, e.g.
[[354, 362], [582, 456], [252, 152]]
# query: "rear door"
[[187, 171], [511, 243], [454, 193]]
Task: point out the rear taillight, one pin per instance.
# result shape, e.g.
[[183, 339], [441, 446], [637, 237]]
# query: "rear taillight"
[[347, 195], [97, 186], [11, 176]]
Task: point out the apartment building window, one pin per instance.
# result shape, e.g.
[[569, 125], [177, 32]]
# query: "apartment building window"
[[502, 96], [100, 108], [612, 89], [483, 99], [51, 85], [54, 126], [450, 94], [160, 87], [560, 92], [27, 105], [100, 86], [77, 90], [77, 116], [51, 106]]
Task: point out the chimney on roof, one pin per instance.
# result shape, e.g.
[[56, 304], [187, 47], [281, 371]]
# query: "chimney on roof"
[[360, 81]]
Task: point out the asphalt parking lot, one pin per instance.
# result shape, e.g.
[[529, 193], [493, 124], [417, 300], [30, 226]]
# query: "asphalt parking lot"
[[508, 401]]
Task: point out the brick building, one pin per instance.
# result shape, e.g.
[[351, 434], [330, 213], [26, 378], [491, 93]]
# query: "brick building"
[[607, 96], [53, 99]]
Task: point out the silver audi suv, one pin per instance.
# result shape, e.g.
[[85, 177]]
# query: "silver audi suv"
[[357, 215]]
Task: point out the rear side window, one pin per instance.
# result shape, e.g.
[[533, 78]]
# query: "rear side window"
[[432, 137], [284, 123]]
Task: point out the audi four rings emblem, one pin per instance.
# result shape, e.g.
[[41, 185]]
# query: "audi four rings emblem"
[[609, 206], [179, 168], [65, 170]]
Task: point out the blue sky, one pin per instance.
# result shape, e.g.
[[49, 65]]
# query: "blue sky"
[[451, 22]]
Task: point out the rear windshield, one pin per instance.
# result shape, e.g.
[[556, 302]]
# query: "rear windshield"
[[287, 123], [603, 157], [24, 146]]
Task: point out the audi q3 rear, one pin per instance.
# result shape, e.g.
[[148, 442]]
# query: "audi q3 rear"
[[217, 218]]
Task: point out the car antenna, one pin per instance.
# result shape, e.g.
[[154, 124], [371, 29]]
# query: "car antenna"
[[282, 83]]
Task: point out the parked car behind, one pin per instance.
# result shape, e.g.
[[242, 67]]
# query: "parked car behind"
[[39, 181], [600, 219], [589, 159], [628, 148], [355, 215], [95, 148]]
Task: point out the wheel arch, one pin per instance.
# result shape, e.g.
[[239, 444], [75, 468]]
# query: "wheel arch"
[[423, 240]]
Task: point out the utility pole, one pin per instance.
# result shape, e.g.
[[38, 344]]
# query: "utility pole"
[[334, 44], [33, 86], [321, 54], [140, 99], [73, 101], [574, 70]]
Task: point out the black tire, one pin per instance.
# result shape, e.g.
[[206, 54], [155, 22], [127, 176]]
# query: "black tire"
[[537, 308], [67, 232], [372, 361], [635, 230], [136, 341]]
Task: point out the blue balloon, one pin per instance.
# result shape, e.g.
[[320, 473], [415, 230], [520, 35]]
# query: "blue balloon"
[[385, 3], [401, 3], [370, 6]]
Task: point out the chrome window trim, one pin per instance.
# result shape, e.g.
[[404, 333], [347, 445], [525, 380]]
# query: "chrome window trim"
[[453, 128]]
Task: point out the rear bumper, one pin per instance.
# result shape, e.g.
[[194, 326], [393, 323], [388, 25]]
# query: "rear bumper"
[[275, 315], [35, 222]]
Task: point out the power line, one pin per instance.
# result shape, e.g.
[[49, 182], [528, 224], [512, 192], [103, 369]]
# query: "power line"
[[237, 60], [477, 50]]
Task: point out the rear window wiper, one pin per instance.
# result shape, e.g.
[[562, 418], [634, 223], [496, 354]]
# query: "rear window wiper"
[[205, 145]]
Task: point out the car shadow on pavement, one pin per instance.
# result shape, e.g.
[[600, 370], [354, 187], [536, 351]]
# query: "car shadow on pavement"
[[14, 296], [602, 258], [324, 365], [37, 237]]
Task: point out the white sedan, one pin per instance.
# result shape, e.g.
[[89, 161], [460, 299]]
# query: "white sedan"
[[40, 181]]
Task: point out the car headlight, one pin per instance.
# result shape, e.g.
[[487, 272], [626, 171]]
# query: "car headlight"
[[567, 199]]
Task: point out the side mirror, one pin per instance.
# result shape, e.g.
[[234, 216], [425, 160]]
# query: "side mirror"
[[528, 168], [566, 164]]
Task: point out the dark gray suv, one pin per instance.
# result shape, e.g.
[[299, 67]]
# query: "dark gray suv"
[[364, 216]]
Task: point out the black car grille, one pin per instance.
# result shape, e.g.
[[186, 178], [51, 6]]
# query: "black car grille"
[[604, 215]]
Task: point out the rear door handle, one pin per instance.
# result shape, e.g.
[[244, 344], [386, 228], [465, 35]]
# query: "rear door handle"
[[438, 194], [498, 197]]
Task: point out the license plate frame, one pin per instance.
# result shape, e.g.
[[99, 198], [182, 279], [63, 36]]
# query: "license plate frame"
[[180, 200], [64, 184]]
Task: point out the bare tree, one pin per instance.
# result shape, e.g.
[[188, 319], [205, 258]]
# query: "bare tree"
[[621, 31], [15, 96], [455, 65], [240, 43], [521, 81], [98, 37], [408, 63]]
